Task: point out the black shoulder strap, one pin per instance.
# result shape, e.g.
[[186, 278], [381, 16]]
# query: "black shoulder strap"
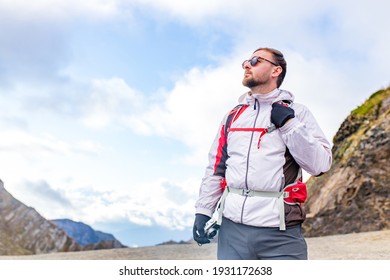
[[236, 110]]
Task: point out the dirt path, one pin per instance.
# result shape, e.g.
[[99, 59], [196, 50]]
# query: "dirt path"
[[359, 246]]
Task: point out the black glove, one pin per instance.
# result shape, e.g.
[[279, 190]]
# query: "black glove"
[[198, 230], [281, 114]]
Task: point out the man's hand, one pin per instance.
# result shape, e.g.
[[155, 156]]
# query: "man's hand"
[[198, 230], [280, 114]]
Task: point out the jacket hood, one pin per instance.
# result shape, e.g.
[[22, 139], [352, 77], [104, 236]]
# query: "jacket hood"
[[272, 97]]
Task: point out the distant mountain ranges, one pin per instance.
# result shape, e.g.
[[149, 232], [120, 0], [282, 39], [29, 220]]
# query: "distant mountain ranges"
[[86, 236]]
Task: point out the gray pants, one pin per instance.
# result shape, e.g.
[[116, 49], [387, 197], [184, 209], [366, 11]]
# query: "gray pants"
[[243, 242]]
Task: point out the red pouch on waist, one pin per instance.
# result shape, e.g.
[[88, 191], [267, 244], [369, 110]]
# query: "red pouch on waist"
[[295, 193]]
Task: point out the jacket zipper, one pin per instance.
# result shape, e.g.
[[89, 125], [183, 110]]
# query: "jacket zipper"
[[247, 158]]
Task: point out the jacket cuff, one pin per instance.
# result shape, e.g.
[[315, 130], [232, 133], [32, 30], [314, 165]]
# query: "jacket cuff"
[[291, 125], [204, 211]]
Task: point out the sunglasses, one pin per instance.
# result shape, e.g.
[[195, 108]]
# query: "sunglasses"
[[253, 61]]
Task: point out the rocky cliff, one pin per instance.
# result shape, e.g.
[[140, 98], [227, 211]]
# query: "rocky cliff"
[[24, 231], [354, 196]]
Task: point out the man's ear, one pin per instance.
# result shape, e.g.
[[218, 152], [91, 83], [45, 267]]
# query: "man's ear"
[[277, 71]]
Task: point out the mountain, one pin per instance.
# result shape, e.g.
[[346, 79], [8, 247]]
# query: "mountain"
[[86, 235], [354, 196], [173, 242], [23, 231]]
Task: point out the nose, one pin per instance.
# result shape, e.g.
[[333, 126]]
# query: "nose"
[[246, 64]]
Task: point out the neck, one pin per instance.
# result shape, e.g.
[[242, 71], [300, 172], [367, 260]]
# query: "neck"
[[262, 89]]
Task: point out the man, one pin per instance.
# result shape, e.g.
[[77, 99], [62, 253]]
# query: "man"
[[260, 149]]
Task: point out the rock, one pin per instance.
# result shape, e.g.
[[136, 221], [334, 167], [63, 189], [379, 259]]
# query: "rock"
[[24, 231], [354, 195]]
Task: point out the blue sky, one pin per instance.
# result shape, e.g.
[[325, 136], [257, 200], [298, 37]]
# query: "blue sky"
[[108, 107]]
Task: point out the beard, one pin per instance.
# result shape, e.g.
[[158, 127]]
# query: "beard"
[[251, 83]]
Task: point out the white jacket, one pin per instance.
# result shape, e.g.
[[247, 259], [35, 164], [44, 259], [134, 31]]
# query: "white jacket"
[[300, 142]]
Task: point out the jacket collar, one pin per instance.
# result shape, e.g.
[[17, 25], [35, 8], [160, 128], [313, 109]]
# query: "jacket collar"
[[271, 97]]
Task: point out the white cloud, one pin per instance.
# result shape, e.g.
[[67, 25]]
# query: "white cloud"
[[150, 204], [110, 100], [30, 145], [316, 83], [52, 198], [44, 158], [188, 11], [58, 9]]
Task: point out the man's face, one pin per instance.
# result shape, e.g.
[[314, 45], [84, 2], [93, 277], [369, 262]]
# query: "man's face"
[[261, 73]]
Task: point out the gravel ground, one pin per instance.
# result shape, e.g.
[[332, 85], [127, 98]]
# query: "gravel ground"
[[356, 246]]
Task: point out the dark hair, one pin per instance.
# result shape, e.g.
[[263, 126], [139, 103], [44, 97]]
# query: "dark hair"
[[279, 60]]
